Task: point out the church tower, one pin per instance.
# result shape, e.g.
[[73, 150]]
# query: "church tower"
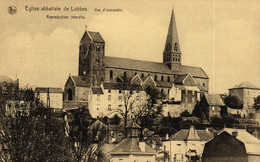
[[172, 51], [91, 58]]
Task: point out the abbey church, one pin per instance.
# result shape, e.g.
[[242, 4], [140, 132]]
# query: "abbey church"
[[95, 68]]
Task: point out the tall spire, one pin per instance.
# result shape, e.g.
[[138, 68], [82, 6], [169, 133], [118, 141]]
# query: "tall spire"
[[172, 41], [172, 51]]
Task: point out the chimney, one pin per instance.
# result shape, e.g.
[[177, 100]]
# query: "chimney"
[[234, 134], [167, 136], [215, 133], [142, 146]]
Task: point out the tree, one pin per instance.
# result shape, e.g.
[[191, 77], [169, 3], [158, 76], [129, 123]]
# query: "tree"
[[185, 113], [85, 139], [257, 103], [38, 136], [233, 102]]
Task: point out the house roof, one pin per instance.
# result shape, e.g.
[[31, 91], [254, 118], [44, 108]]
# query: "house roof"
[[133, 124], [5, 79], [251, 143], [183, 135], [122, 86], [156, 67], [180, 79], [45, 90], [96, 90], [96, 37], [131, 146], [163, 84], [246, 85], [80, 81], [202, 88], [214, 100]]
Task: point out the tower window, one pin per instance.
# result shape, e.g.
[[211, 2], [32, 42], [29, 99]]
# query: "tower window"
[[162, 78], [97, 48], [168, 79], [175, 47], [155, 78], [69, 94], [124, 74], [111, 75]]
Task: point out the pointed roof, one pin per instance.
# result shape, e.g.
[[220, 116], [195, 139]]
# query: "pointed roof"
[[133, 124], [172, 41], [193, 135]]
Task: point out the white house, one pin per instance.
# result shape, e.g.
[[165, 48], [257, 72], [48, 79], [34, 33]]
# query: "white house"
[[132, 149], [187, 144], [110, 99], [52, 95]]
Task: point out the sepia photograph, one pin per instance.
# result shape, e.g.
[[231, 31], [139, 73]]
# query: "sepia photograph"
[[130, 81]]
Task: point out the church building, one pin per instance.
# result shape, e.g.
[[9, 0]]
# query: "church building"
[[96, 68]]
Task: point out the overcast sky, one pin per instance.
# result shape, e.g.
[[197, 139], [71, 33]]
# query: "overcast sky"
[[42, 52]]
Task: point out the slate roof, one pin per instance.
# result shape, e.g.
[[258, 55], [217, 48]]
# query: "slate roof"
[[96, 90], [133, 124], [180, 79], [163, 84], [214, 100], [251, 143], [183, 134], [5, 79], [156, 67], [247, 85], [130, 146], [45, 90], [80, 81], [122, 86], [96, 37]]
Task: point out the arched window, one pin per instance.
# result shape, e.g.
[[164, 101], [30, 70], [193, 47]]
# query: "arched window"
[[135, 73], [168, 79], [161, 92], [124, 74], [162, 78], [111, 75], [142, 75], [155, 78], [69, 91]]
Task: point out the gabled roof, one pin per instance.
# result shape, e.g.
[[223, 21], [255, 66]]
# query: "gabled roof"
[[180, 79], [45, 90], [214, 100], [96, 90], [183, 135], [122, 86], [5, 79], [155, 67], [96, 37], [131, 146], [80, 81]]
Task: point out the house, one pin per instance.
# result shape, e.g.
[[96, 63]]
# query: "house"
[[232, 145], [111, 98], [95, 68], [184, 95], [246, 92], [187, 144], [51, 97], [76, 92], [132, 149], [8, 87], [211, 105]]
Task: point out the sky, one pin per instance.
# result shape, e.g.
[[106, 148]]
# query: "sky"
[[222, 37]]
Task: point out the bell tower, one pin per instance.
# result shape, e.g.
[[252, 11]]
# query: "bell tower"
[[91, 57], [172, 51]]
